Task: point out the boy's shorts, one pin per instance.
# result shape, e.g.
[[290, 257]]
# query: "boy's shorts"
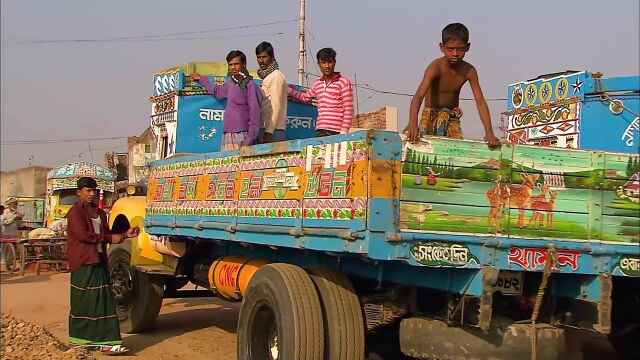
[[441, 122]]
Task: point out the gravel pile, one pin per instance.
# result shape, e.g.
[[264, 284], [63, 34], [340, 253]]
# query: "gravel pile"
[[23, 340]]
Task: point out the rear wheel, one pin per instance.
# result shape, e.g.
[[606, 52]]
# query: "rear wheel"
[[342, 315], [138, 295], [280, 317], [9, 257]]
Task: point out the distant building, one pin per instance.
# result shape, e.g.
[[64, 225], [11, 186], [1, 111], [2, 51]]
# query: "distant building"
[[29, 181], [385, 118], [133, 166]]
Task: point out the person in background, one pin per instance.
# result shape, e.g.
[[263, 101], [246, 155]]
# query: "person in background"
[[93, 322], [241, 122], [335, 96], [274, 95], [11, 218]]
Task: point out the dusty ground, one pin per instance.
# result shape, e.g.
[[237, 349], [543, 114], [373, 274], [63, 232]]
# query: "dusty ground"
[[198, 328]]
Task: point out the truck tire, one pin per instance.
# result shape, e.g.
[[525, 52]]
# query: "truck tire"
[[342, 315], [138, 295], [280, 316]]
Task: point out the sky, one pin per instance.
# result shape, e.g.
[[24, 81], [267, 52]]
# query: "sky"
[[96, 90]]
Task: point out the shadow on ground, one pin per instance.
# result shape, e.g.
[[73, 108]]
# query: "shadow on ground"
[[174, 324]]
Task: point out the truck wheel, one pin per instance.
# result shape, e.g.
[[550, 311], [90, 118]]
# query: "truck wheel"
[[280, 316], [138, 295], [9, 257], [342, 315]]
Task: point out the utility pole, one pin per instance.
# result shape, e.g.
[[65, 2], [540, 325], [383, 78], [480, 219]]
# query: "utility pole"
[[301, 44], [355, 87]]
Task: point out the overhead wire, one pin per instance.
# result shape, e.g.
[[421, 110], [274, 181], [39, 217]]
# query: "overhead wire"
[[153, 36], [57, 141], [369, 87]]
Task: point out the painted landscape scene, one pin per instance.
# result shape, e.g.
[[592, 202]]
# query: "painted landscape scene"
[[520, 191]]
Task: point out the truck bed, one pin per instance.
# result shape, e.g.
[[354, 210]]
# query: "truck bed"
[[435, 205]]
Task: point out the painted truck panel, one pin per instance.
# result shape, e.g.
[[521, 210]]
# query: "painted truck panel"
[[352, 194]]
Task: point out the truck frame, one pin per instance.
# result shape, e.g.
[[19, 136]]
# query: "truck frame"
[[328, 240]]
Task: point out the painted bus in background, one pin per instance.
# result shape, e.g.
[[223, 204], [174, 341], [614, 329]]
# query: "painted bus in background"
[[61, 187]]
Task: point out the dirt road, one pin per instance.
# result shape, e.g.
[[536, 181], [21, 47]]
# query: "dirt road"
[[192, 328], [198, 328]]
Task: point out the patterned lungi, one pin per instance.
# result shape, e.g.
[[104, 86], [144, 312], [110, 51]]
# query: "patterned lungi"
[[92, 317], [233, 140], [441, 122]]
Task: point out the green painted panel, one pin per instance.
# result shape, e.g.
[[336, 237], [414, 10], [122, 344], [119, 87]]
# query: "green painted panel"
[[462, 186]]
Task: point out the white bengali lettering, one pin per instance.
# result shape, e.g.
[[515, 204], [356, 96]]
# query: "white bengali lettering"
[[629, 132], [299, 122], [211, 114], [454, 254], [632, 264]]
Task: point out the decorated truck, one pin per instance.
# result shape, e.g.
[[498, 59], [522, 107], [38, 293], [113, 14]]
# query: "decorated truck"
[[61, 187], [456, 250]]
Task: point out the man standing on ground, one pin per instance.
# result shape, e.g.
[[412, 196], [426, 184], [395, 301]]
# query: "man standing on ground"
[[335, 96], [93, 321], [274, 95], [11, 218], [241, 122]]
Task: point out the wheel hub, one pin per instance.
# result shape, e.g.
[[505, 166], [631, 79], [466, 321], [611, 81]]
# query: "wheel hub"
[[122, 286]]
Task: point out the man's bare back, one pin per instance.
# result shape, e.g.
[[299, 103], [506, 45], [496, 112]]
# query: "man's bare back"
[[444, 91]]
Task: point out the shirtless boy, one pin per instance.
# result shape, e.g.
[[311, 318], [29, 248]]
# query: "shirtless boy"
[[440, 89]]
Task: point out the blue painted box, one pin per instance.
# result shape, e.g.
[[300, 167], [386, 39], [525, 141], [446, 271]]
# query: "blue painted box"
[[186, 119], [575, 110]]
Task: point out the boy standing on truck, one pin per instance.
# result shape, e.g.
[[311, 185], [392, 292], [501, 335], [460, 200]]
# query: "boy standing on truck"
[[440, 89], [93, 322], [335, 96], [274, 94], [242, 114]]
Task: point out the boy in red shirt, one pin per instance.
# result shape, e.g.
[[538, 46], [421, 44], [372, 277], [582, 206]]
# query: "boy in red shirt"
[[335, 96]]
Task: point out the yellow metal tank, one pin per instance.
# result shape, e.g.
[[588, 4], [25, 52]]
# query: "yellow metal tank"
[[230, 275]]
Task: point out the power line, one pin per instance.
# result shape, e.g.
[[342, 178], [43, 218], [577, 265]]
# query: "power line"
[[57, 141], [206, 37], [156, 36], [369, 87]]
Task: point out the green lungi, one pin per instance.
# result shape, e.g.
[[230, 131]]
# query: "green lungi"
[[92, 318]]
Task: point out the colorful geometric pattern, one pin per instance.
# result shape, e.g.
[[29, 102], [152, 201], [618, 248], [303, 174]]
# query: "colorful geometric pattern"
[[271, 160], [253, 182], [335, 209], [198, 167], [269, 208]]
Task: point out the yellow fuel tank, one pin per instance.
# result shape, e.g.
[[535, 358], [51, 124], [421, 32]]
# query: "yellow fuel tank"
[[230, 275]]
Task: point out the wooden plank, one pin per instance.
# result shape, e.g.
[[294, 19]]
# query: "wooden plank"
[[621, 228]]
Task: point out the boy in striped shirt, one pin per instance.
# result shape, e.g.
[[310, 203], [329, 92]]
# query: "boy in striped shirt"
[[334, 94]]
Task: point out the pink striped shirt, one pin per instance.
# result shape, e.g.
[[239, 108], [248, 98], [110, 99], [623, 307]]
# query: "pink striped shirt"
[[335, 103]]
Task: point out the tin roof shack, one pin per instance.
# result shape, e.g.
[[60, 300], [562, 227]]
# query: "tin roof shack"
[[29, 181], [575, 110]]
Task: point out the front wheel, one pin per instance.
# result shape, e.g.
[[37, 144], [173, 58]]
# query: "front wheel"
[[138, 296], [9, 257], [280, 317]]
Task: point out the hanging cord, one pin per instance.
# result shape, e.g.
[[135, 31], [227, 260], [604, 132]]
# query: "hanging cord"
[[549, 264], [604, 97]]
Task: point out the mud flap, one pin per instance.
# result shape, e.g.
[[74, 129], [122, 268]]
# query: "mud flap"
[[423, 337]]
